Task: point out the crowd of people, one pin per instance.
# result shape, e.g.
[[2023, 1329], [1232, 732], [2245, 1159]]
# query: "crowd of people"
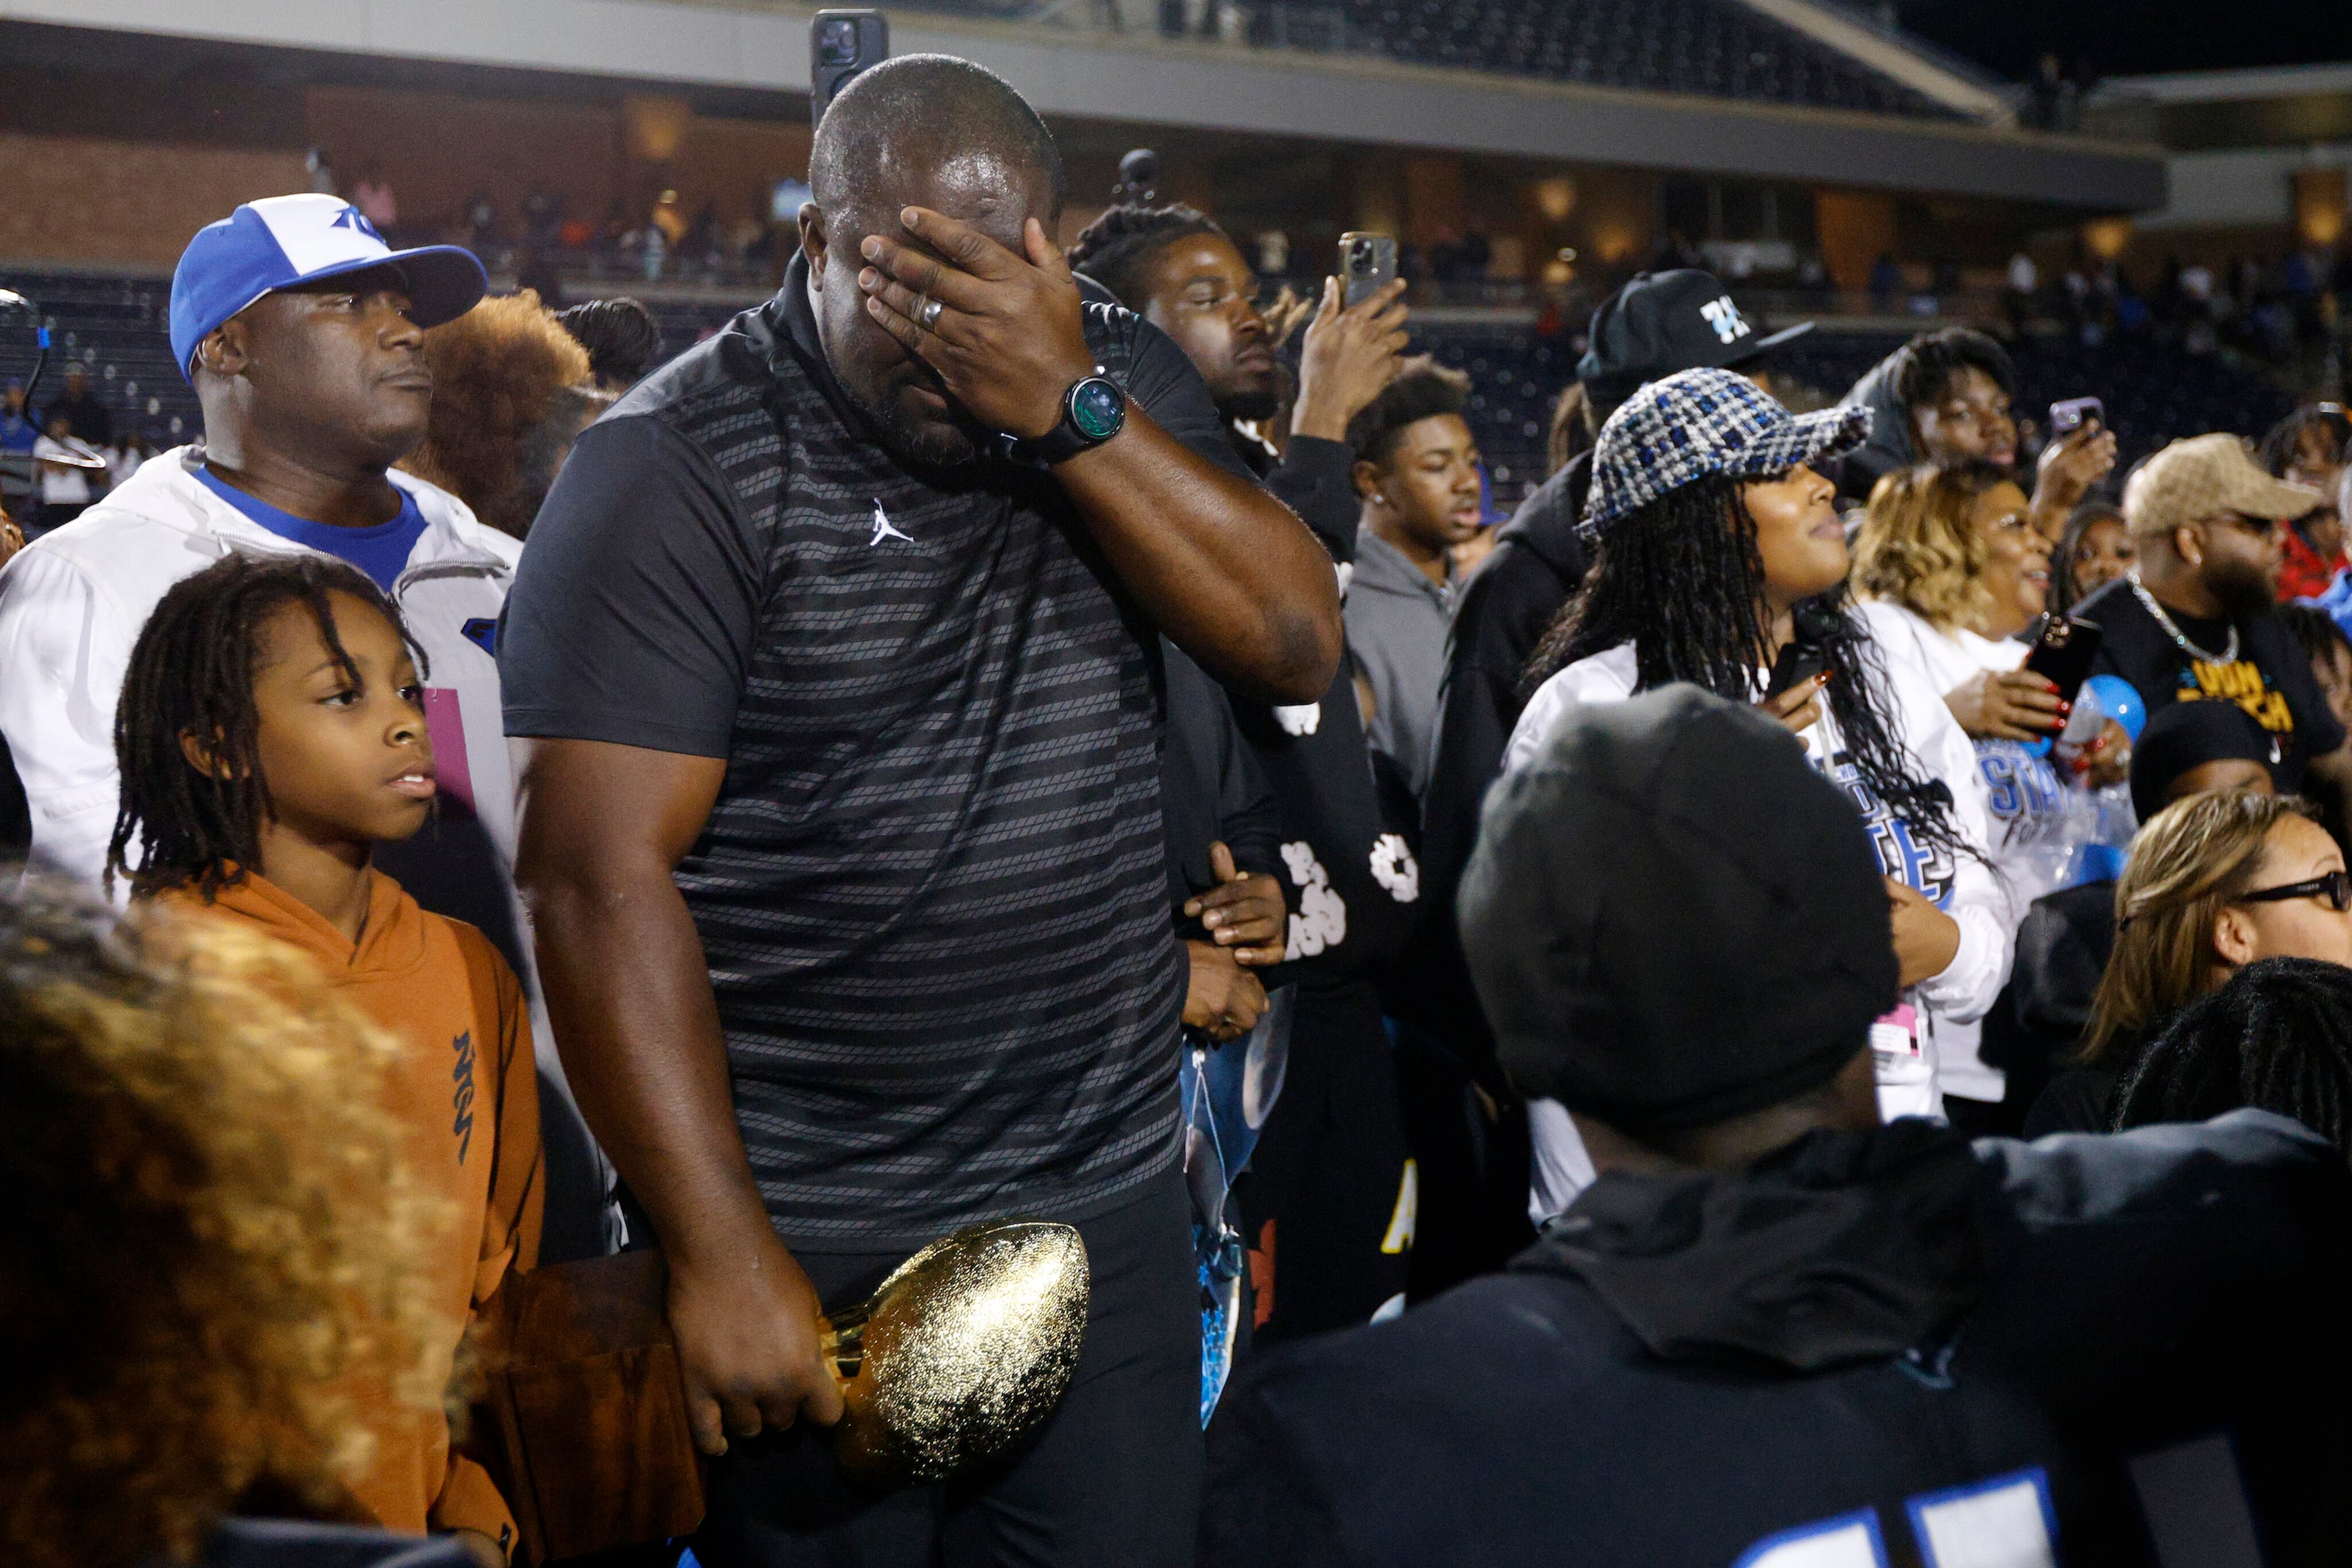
[[1534, 1027]]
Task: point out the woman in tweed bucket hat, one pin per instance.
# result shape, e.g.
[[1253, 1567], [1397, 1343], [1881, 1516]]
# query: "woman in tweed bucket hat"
[[1719, 545]]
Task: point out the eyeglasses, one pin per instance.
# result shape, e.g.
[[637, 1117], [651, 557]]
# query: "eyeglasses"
[[2335, 887]]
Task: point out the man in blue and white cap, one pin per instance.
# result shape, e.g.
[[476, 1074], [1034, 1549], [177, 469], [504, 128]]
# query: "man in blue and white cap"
[[302, 333]]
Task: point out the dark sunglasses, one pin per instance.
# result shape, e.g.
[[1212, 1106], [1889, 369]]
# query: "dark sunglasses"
[[2255, 527], [2335, 887]]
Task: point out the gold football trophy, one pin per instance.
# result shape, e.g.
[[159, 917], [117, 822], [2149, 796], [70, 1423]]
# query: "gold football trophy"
[[961, 1353]]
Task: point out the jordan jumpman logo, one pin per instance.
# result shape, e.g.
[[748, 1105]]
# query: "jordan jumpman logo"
[[884, 529]]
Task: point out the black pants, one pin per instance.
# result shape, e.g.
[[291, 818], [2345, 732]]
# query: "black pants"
[[1113, 1481], [1325, 1206]]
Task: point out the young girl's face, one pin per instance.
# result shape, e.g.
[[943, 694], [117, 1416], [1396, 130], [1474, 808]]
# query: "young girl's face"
[[348, 762], [2104, 554]]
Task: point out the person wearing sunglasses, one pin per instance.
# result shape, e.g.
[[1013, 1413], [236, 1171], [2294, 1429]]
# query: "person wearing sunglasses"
[[2198, 618], [2214, 882]]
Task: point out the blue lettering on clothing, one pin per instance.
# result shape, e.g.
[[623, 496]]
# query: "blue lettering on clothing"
[[1901, 855], [2022, 785], [2007, 1520], [462, 1074]]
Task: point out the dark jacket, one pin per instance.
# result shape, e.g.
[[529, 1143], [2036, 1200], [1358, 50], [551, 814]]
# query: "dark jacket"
[[1889, 446], [1353, 887], [1211, 789], [2034, 1032], [1888, 1334], [2079, 1099], [1538, 561]]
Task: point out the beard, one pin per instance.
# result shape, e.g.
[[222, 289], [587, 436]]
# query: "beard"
[[2242, 588], [954, 443], [1247, 407]]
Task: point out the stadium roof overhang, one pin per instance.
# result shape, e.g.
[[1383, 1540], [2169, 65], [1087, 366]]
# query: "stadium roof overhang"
[[1335, 98]]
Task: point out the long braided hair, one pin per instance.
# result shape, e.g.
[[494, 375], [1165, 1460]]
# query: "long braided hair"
[[2278, 1037], [1682, 580], [191, 674]]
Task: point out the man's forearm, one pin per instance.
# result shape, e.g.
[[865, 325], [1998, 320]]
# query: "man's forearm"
[[1228, 572], [629, 994]]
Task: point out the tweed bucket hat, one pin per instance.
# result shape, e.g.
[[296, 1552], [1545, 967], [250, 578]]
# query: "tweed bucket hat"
[[1695, 422]]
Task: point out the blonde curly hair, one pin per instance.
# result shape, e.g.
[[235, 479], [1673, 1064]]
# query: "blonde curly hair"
[[213, 1232], [1917, 547]]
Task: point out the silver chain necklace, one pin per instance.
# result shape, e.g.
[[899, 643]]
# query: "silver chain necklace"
[[2228, 656]]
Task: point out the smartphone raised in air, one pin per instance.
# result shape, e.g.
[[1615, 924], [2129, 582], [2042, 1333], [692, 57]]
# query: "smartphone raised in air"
[[1367, 263]]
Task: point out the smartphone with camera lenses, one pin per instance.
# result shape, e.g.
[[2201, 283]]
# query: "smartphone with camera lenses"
[[842, 44], [2072, 414], [1368, 262]]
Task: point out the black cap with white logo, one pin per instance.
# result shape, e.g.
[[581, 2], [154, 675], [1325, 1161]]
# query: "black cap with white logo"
[[1665, 321]]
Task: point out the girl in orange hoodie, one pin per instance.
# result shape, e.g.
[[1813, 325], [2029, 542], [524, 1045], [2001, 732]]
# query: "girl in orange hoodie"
[[272, 733]]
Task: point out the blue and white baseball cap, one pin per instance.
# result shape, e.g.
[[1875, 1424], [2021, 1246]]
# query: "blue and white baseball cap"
[[280, 241], [1695, 422]]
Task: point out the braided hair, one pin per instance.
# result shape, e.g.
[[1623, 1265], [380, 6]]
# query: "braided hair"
[[1113, 250], [191, 673], [1686, 590], [2277, 1037]]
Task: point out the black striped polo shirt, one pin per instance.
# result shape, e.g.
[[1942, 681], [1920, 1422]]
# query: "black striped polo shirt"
[[932, 892]]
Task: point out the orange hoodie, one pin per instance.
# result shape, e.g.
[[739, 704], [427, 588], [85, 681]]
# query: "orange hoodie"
[[468, 1089]]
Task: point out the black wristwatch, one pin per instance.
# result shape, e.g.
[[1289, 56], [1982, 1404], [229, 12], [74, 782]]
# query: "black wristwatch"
[[1093, 411]]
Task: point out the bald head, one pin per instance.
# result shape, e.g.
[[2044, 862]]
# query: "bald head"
[[928, 113], [922, 131]]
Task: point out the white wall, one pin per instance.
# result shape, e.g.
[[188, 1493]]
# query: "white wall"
[[2240, 188]]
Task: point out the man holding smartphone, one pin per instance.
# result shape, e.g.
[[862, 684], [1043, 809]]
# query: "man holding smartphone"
[[1945, 397], [836, 654], [1327, 1181]]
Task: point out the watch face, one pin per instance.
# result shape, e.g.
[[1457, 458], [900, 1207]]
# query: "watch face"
[[1098, 408]]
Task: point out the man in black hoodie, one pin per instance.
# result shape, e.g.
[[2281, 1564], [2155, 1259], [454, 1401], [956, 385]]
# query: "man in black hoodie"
[[1774, 1333], [1945, 397], [1328, 1205]]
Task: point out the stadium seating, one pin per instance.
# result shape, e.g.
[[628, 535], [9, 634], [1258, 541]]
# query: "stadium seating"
[[1715, 49], [114, 328], [2153, 393]]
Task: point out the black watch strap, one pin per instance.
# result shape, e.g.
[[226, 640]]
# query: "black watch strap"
[[1094, 409]]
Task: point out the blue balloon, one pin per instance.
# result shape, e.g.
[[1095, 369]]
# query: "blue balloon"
[[2118, 700]]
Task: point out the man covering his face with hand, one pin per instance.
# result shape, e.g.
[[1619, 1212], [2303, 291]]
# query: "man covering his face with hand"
[[835, 651]]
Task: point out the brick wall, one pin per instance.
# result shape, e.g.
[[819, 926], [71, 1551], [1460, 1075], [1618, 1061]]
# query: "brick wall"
[[124, 205]]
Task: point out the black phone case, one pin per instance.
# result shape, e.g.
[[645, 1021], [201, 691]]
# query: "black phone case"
[[2068, 664], [1798, 661]]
